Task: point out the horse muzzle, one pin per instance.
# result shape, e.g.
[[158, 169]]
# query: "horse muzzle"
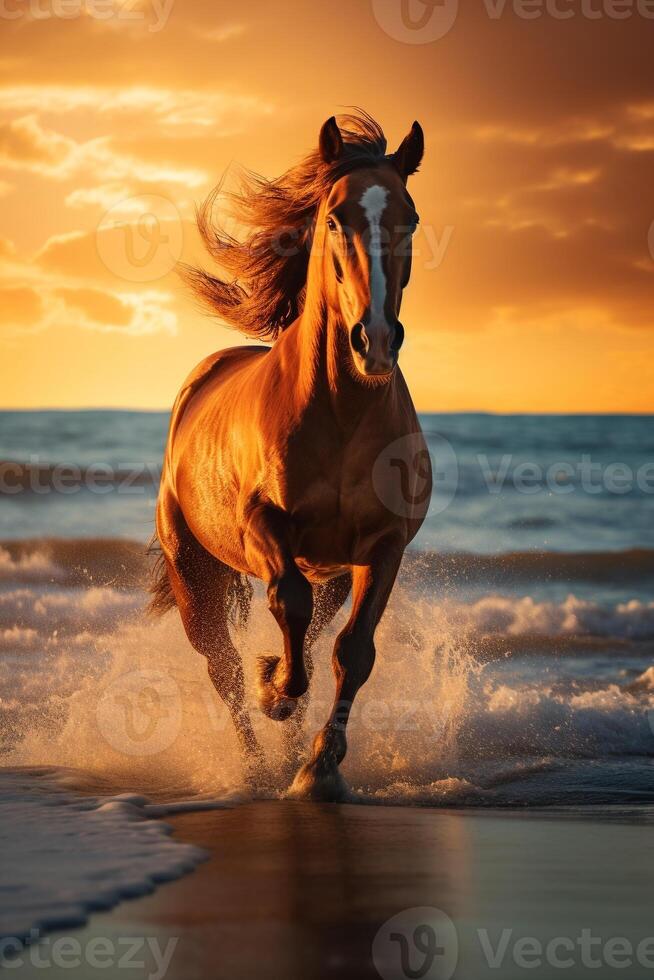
[[376, 347]]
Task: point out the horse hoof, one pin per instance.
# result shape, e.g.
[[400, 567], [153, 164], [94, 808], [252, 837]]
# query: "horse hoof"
[[272, 702], [319, 784]]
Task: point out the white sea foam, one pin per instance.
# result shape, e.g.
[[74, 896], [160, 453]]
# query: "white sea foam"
[[65, 855], [511, 616], [128, 699], [52, 611], [34, 566]]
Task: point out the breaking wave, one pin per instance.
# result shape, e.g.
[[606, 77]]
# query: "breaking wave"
[[502, 699]]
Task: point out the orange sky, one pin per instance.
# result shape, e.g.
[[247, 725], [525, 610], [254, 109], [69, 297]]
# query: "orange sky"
[[533, 286]]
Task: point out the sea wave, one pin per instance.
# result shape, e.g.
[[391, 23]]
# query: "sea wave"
[[87, 683], [74, 562], [51, 594], [125, 563], [459, 709], [516, 567]]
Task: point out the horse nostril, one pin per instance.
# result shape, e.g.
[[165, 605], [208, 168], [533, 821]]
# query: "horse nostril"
[[359, 339], [398, 338]]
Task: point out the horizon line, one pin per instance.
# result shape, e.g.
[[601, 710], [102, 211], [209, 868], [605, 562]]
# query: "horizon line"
[[431, 411]]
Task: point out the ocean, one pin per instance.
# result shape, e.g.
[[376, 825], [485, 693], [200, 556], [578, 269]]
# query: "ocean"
[[515, 662]]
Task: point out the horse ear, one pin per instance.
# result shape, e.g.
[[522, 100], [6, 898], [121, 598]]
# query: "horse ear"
[[331, 141], [409, 153]]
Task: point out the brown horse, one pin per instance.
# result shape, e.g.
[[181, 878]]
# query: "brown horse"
[[272, 465]]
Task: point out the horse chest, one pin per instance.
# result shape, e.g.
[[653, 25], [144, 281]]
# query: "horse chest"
[[334, 509]]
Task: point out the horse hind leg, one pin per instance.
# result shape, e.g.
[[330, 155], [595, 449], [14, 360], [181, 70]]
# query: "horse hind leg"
[[205, 590]]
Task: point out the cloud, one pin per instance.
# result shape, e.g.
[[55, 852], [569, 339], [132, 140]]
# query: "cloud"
[[7, 248], [627, 126], [98, 305], [103, 311], [184, 109], [66, 284], [26, 145], [218, 35], [131, 314], [133, 247], [23, 142], [20, 305], [73, 254]]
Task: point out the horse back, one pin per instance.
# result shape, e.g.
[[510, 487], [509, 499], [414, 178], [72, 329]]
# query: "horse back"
[[221, 363]]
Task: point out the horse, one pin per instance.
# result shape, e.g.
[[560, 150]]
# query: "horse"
[[271, 467]]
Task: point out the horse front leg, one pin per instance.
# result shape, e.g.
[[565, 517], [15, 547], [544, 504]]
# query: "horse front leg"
[[267, 541], [328, 599], [353, 659]]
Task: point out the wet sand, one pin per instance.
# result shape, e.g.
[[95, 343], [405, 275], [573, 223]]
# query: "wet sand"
[[295, 890]]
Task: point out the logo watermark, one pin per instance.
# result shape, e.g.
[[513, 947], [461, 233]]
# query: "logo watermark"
[[424, 943], [426, 21], [154, 13], [403, 473], [427, 245], [140, 239], [416, 21], [401, 476], [140, 713], [40, 478], [145, 953], [417, 944]]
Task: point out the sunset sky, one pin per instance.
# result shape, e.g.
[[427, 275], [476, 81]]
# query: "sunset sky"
[[533, 285]]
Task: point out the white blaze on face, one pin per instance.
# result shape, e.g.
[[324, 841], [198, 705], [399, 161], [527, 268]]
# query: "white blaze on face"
[[373, 203]]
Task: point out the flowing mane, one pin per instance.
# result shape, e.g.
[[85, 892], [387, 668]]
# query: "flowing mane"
[[266, 273]]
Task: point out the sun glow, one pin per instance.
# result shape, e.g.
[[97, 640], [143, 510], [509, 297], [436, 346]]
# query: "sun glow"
[[535, 253]]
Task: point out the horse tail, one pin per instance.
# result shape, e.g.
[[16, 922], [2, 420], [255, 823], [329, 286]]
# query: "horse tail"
[[160, 589], [238, 594]]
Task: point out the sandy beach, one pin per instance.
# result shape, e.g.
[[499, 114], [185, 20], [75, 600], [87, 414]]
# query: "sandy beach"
[[295, 890]]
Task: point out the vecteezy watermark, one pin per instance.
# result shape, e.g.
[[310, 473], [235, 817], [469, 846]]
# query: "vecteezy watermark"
[[387, 716], [565, 952], [35, 476], [154, 13], [425, 21], [427, 245], [140, 239], [144, 953], [566, 9], [417, 943], [401, 476], [416, 21], [564, 477], [140, 713], [403, 473], [424, 943]]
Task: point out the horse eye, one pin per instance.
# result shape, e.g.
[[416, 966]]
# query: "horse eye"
[[331, 224]]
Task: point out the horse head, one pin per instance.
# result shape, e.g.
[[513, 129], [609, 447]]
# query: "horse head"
[[364, 230]]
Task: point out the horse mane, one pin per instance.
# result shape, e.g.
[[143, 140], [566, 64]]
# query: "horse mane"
[[264, 288]]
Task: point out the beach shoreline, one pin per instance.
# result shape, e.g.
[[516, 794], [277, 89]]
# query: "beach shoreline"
[[303, 890]]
